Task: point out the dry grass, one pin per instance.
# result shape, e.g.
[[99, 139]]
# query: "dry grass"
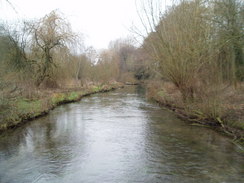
[[128, 77], [224, 107], [165, 93], [234, 106]]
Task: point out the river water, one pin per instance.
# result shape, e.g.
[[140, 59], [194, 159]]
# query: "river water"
[[116, 137]]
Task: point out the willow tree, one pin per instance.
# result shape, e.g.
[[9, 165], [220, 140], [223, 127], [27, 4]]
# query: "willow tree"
[[196, 43], [49, 34], [180, 44]]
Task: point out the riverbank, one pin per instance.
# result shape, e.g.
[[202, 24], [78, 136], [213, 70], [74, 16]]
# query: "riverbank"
[[22, 109], [225, 115], [118, 131]]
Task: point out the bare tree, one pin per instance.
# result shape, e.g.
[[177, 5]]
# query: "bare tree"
[[124, 52], [179, 44], [228, 19], [49, 33]]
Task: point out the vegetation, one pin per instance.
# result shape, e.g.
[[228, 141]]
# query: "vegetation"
[[191, 59], [44, 63], [24, 108], [196, 49]]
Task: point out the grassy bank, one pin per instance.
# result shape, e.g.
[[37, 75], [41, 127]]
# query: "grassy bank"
[[23, 108], [224, 113]]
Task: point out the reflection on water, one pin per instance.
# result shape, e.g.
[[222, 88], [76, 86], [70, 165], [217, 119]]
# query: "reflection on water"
[[116, 137]]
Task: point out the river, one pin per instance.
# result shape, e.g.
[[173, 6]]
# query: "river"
[[117, 137]]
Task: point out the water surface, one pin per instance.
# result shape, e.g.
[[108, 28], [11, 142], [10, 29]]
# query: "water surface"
[[116, 137]]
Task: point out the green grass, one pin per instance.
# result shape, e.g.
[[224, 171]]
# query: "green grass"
[[22, 108], [161, 93], [57, 98], [26, 106], [97, 88], [73, 96]]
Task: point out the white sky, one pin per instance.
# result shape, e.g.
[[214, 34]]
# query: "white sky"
[[99, 20]]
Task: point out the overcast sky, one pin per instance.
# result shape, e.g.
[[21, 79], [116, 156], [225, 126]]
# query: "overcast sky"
[[99, 20]]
